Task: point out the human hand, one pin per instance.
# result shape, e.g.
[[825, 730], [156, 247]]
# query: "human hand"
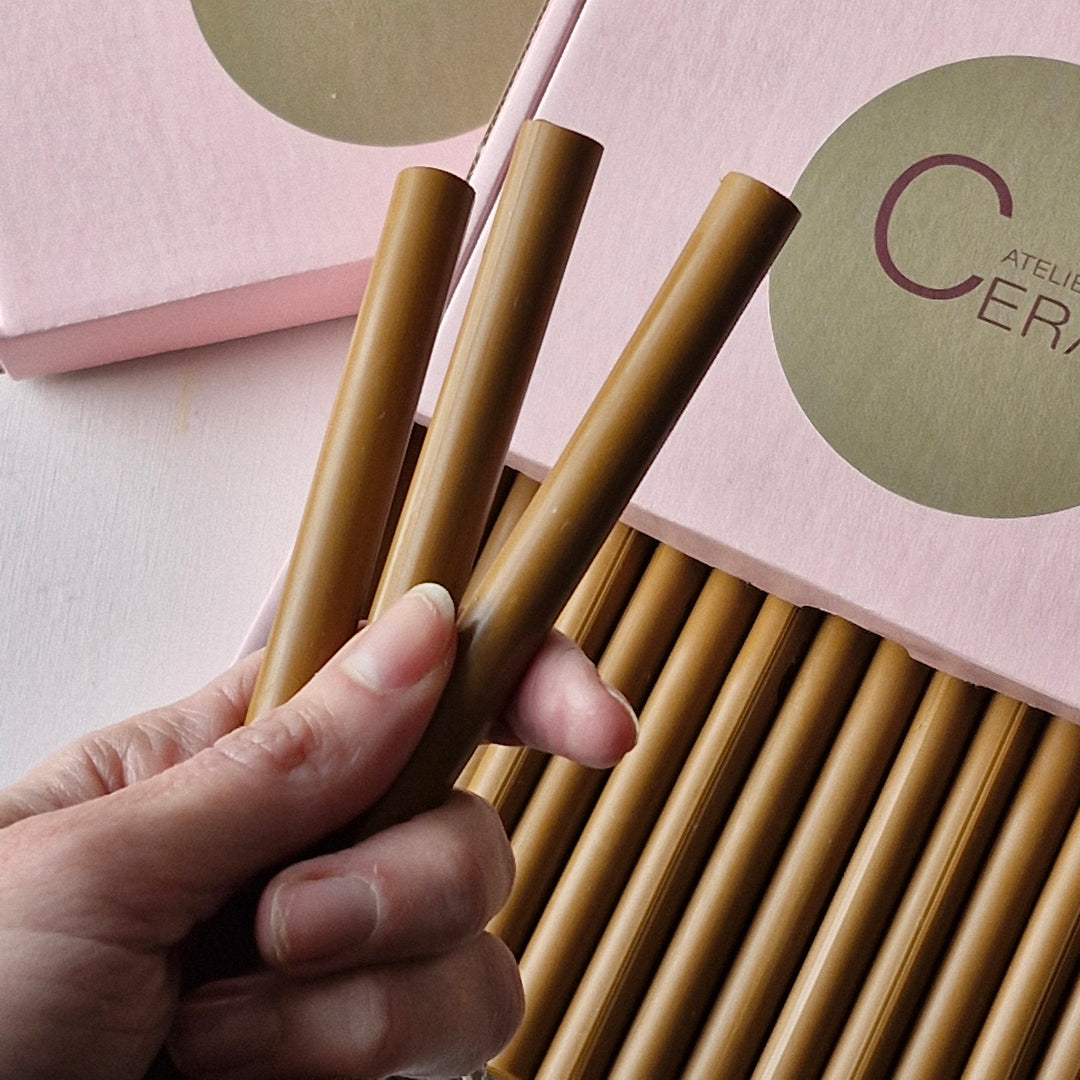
[[114, 850]]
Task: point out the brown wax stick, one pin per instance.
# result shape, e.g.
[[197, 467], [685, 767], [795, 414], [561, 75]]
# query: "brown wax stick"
[[723, 748], [595, 606], [998, 909], [471, 766], [751, 841], [1059, 1061], [808, 872], [880, 867], [668, 1018], [405, 475], [532, 231], [507, 480], [333, 561], [566, 791], [521, 490], [513, 608], [505, 777], [891, 991], [353, 492], [517, 499], [508, 775], [1039, 976]]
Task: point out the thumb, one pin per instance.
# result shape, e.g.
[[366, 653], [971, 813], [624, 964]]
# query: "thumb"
[[165, 853]]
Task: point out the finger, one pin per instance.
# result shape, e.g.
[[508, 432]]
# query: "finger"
[[122, 754], [564, 707], [412, 890], [445, 1016], [191, 836]]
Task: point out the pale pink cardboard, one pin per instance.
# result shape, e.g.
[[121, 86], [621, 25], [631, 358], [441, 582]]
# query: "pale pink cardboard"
[[678, 96], [147, 203]]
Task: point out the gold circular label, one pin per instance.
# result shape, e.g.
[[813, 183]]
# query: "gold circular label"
[[926, 311], [389, 73]]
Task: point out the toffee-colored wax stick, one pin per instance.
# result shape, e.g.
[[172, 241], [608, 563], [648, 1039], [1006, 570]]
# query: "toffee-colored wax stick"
[[461, 461], [508, 775], [1061, 1057], [1039, 977], [471, 766], [566, 791], [684, 985], [799, 733], [904, 962], [698, 788], [751, 840], [512, 609], [332, 567], [518, 496], [997, 910], [397, 501], [750, 994], [858, 916]]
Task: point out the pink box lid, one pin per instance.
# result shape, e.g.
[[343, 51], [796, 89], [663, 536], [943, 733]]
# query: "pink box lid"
[[147, 202], [746, 483]]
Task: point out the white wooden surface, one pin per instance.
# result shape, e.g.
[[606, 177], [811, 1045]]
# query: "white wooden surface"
[[145, 510]]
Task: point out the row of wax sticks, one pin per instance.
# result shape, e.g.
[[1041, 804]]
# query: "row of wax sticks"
[[822, 858]]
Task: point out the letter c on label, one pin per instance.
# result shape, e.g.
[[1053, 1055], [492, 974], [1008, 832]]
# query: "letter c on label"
[[888, 204]]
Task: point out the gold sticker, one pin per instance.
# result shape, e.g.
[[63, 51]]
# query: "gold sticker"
[[926, 311], [375, 72]]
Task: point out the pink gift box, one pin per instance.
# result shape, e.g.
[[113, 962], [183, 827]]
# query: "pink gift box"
[[148, 203], [747, 483]]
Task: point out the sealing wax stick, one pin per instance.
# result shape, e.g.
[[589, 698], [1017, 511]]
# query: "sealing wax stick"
[[1039, 977], [723, 749], [808, 872], [405, 475], [566, 791], [641, 925], [684, 985], [505, 777], [596, 605], [891, 991], [333, 560], [649, 909], [515, 605], [998, 909], [1059, 1061], [858, 914], [508, 775], [520, 492], [449, 500]]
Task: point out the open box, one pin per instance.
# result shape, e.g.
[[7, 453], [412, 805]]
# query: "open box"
[[987, 590]]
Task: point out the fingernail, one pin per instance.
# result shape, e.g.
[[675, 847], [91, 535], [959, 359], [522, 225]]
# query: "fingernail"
[[222, 1029], [620, 697], [320, 917], [405, 642]]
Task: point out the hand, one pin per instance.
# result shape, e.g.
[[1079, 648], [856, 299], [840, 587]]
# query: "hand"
[[376, 962]]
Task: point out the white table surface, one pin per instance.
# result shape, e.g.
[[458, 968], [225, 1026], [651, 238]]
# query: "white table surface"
[[147, 508]]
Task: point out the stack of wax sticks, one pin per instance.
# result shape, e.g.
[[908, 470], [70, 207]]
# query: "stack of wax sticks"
[[822, 859], [507, 610]]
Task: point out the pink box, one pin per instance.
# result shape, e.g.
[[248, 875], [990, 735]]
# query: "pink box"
[[147, 202], [989, 591]]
